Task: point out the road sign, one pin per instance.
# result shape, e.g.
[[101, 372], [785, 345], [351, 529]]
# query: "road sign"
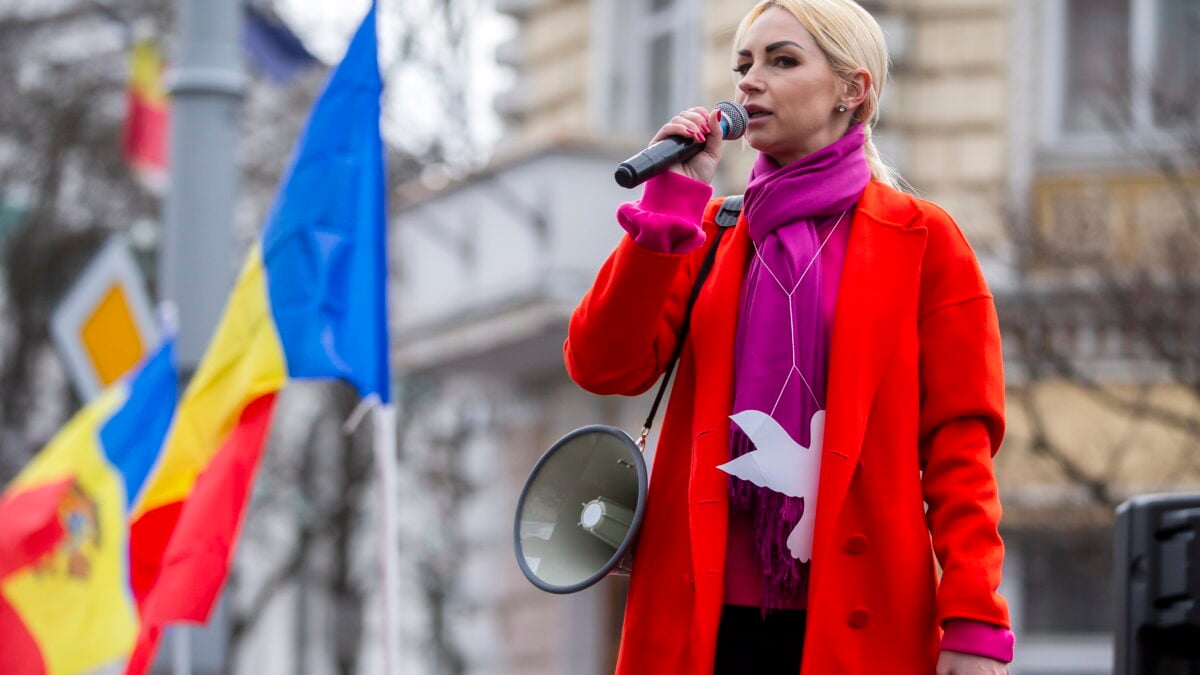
[[104, 325]]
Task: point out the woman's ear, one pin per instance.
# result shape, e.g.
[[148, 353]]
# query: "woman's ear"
[[856, 87]]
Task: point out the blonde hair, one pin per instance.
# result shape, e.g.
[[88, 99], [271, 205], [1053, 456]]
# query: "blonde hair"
[[851, 39]]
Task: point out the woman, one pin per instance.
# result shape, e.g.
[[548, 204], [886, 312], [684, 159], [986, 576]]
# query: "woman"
[[776, 538]]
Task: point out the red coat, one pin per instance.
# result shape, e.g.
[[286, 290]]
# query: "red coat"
[[915, 413]]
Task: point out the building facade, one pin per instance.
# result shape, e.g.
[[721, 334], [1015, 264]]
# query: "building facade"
[[1014, 115]]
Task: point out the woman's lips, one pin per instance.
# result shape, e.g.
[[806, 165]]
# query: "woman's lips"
[[758, 117]]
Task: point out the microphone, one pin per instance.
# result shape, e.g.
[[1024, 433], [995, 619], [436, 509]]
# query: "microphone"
[[678, 149]]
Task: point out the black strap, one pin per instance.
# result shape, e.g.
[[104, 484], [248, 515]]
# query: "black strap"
[[727, 217]]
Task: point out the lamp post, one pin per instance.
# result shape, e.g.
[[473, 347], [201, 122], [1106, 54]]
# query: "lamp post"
[[197, 256], [206, 83]]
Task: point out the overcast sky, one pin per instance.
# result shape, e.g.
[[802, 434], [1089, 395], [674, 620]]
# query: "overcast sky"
[[326, 27]]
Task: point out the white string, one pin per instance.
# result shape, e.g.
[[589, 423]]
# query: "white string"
[[365, 405], [819, 249], [782, 389], [803, 274], [791, 317]]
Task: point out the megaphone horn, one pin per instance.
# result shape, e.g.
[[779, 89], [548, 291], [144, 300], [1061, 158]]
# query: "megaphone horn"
[[578, 515]]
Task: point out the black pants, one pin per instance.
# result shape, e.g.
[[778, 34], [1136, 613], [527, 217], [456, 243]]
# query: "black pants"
[[748, 644]]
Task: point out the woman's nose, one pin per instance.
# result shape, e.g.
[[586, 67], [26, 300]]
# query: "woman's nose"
[[749, 83]]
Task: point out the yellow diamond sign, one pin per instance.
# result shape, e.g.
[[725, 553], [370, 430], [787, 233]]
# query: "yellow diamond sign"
[[102, 326]]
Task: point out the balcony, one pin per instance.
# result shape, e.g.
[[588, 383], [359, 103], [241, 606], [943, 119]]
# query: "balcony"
[[485, 274]]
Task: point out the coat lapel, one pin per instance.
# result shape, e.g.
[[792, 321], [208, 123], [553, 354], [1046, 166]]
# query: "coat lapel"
[[714, 319], [713, 333], [879, 285]]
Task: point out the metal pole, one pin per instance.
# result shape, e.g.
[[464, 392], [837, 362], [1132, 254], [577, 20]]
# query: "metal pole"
[[198, 255], [197, 258], [182, 650], [389, 504]]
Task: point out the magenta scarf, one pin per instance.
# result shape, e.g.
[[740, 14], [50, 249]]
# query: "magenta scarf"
[[790, 212]]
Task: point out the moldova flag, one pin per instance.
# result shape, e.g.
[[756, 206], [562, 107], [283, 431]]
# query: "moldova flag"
[[66, 601], [310, 302], [147, 117]]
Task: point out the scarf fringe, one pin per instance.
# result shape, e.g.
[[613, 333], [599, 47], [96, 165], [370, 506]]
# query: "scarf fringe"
[[775, 516]]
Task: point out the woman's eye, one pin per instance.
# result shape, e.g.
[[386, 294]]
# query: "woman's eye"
[[785, 61], [742, 69]]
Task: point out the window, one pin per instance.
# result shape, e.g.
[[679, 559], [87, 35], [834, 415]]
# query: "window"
[[1120, 66], [647, 52], [1176, 91], [1058, 582], [1097, 70], [1067, 581]]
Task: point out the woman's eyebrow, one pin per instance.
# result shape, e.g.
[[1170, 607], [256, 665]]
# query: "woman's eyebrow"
[[773, 46], [783, 43]]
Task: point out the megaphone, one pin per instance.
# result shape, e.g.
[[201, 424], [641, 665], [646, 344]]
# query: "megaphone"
[[579, 512]]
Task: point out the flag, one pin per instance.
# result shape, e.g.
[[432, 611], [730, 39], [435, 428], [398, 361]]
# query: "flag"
[[273, 48], [65, 600], [310, 302], [147, 116]]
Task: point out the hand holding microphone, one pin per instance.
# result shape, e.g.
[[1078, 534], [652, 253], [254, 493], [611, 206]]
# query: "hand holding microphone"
[[690, 143]]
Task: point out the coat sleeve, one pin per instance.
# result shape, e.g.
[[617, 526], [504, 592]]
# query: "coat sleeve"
[[961, 425], [624, 330]]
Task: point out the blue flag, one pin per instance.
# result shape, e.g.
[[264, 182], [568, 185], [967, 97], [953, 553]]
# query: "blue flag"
[[325, 242]]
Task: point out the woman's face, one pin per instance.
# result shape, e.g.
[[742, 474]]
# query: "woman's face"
[[788, 88]]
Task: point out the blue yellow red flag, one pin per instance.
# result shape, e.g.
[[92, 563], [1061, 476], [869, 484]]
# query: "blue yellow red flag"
[[310, 302], [147, 117], [65, 592]]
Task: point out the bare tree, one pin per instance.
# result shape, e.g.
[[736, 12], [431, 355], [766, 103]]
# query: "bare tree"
[[1108, 302], [60, 127], [60, 168], [304, 525]]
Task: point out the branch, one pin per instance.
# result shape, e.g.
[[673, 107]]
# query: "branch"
[[535, 215], [242, 621], [1040, 444], [19, 25], [1063, 366]]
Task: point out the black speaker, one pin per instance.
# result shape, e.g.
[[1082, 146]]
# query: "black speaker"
[[1156, 573], [579, 512]]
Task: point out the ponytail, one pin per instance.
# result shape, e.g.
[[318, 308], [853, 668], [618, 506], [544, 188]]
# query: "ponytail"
[[880, 170]]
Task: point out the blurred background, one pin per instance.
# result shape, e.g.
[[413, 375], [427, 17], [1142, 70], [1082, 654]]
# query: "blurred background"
[[1062, 135]]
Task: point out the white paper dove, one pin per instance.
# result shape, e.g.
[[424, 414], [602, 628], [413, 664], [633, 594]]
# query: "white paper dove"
[[781, 464]]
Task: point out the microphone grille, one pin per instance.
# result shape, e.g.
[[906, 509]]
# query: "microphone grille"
[[736, 117]]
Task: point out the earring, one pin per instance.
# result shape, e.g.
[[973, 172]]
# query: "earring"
[[841, 108]]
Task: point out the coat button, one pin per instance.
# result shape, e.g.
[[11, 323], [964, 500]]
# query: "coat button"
[[856, 545], [858, 618]]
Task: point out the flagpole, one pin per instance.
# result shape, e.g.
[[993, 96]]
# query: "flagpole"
[[389, 539], [181, 650]]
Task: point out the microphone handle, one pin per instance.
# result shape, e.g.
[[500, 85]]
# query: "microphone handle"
[[656, 159]]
